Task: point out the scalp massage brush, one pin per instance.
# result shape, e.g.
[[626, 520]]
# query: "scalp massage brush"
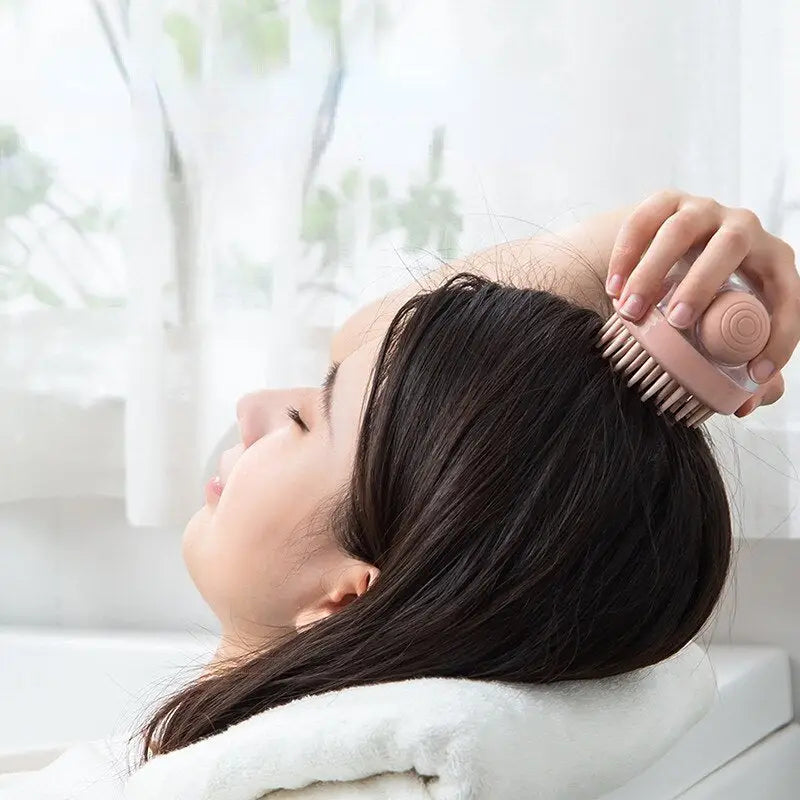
[[696, 372]]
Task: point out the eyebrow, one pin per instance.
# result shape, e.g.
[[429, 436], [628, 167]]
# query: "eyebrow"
[[327, 392]]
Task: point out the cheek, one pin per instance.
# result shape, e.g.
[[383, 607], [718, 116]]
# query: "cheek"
[[196, 556], [269, 492], [241, 552]]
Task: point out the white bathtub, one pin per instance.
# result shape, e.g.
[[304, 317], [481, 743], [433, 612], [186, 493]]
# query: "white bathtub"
[[62, 687]]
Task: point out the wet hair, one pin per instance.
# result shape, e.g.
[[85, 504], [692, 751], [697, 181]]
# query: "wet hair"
[[532, 520]]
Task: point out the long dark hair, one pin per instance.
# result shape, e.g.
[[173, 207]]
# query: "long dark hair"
[[532, 519]]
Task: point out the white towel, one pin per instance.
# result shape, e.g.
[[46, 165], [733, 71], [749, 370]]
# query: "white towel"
[[439, 739]]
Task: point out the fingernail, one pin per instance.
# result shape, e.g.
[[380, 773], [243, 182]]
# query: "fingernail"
[[614, 285], [748, 407], [762, 370], [681, 316], [633, 307]]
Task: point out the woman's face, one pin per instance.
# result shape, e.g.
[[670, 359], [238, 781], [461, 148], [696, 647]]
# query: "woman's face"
[[261, 552]]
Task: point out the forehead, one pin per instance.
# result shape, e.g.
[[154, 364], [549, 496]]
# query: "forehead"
[[349, 392]]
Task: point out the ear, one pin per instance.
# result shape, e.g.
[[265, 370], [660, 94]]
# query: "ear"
[[350, 584]]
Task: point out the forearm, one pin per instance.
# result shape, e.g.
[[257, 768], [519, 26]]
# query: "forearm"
[[572, 262], [579, 251]]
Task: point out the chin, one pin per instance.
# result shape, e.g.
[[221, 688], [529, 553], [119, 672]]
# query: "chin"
[[201, 562], [194, 533]]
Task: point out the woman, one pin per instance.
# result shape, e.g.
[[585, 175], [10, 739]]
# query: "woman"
[[472, 492]]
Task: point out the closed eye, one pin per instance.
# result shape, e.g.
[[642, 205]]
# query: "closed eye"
[[294, 415]]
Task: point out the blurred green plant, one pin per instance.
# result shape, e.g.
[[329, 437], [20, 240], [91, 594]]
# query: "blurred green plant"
[[188, 40], [243, 281], [27, 198], [325, 13], [255, 31], [257, 34], [427, 215], [260, 29]]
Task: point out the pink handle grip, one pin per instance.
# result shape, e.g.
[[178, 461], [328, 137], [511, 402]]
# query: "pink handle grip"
[[734, 328]]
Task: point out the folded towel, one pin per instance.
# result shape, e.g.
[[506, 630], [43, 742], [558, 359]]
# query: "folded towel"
[[88, 771], [446, 739], [442, 739]]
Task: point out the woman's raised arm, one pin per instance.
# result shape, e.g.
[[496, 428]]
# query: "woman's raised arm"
[[638, 245], [572, 262]]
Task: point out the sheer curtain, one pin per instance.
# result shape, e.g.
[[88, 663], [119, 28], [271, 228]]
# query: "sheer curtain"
[[288, 161]]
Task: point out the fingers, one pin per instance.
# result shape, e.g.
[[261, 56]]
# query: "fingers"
[[772, 390], [748, 407], [695, 220], [722, 255], [782, 292], [664, 228], [767, 394], [636, 234]]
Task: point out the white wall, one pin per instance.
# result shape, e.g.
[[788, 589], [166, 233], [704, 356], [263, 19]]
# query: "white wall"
[[77, 563], [762, 603]]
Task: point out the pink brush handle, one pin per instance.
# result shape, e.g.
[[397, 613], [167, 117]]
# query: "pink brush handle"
[[734, 328]]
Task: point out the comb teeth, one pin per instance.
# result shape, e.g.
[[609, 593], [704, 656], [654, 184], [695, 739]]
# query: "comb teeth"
[[699, 416], [610, 329], [678, 396], [622, 354], [687, 408], [629, 358], [644, 372], [663, 379], [620, 340], [632, 355]]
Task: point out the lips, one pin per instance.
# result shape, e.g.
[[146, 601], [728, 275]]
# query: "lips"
[[216, 484], [214, 490]]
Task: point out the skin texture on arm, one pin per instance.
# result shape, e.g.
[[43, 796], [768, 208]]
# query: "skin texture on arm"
[[638, 244], [572, 262]]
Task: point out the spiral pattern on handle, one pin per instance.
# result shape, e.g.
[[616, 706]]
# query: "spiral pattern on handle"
[[735, 328]]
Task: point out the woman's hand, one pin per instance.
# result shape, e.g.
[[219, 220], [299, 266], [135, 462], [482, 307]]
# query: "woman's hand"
[[662, 228]]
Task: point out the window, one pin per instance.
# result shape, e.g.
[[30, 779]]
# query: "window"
[[190, 184]]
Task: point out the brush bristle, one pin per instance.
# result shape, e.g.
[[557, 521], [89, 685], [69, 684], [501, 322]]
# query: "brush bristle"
[[630, 359]]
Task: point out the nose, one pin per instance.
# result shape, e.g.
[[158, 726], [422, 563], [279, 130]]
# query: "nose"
[[259, 413], [256, 413]]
